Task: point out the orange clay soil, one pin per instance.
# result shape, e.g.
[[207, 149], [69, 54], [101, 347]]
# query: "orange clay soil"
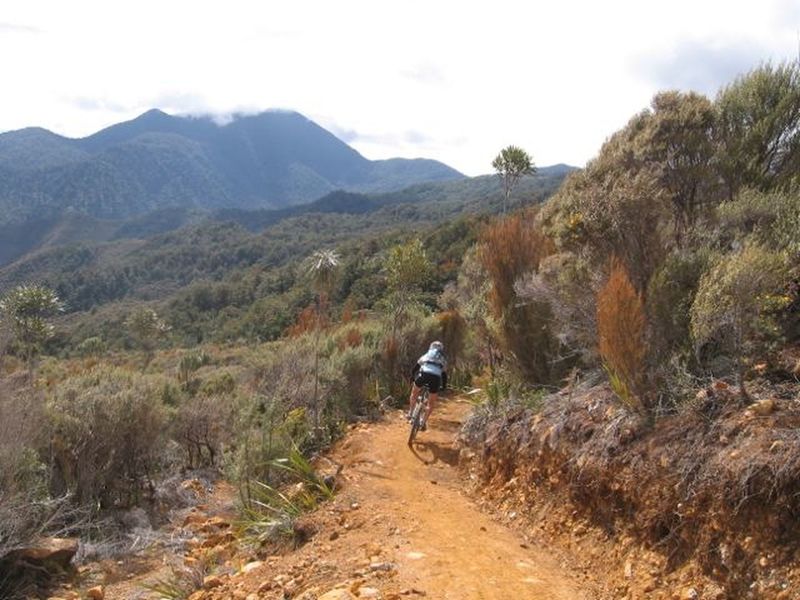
[[447, 547]]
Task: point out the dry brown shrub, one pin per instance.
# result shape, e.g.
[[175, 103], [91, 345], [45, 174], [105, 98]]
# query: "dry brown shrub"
[[454, 334], [400, 352], [351, 338], [204, 427], [354, 337], [347, 311], [621, 335], [305, 322], [510, 248]]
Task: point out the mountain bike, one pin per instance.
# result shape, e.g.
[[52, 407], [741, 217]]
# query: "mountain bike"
[[419, 414]]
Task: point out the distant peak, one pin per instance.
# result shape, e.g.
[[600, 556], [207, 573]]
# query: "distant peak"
[[30, 133], [154, 113], [35, 130]]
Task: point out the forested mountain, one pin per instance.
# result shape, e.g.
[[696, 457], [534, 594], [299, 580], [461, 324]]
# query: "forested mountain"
[[236, 257], [438, 199], [269, 160]]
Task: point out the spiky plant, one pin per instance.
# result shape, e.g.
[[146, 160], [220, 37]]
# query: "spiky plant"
[[324, 265]]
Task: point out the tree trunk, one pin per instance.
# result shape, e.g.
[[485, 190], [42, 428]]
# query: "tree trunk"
[[316, 377], [740, 368]]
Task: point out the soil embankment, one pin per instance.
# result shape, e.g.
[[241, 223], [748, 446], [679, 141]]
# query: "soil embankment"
[[699, 504]]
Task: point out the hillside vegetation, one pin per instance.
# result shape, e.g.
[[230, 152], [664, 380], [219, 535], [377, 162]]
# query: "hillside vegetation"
[[661, 282], [636, 338], [438, 200], [239, 275]]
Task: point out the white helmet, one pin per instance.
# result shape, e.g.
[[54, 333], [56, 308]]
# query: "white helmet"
[[437, 345]]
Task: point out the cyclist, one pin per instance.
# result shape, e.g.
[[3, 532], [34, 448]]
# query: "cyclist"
[[430, 370]]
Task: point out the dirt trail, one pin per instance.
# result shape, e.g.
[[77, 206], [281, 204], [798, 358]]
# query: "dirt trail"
[[400, 527], [449, 548]]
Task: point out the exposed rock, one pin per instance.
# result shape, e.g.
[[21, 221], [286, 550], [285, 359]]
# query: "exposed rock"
[[309, 594], [690, 594], [338, 594], [194, 518], [96, 593], [194, 485], [218, 540], [191, 561], [57, 551], [764, 407], [252, 566], [213, 524], [290, 587], [211, 581], [303, 530]]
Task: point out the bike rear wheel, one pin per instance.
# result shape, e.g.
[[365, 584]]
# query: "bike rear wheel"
[[416, 415], [415, 424]]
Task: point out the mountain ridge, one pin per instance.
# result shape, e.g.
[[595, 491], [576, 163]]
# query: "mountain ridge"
[[271, 159]]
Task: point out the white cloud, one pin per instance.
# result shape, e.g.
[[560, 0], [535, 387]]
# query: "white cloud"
[[425, 73], [16, 28], [449, 80], [702, 65]]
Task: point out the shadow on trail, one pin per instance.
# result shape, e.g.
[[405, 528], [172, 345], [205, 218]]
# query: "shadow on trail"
[[447, 425], [438, 452], [373, 474]]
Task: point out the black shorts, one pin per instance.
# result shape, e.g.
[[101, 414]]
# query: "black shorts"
[[434, 382]]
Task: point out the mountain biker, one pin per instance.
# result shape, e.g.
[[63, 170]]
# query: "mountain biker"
[[429, 370]]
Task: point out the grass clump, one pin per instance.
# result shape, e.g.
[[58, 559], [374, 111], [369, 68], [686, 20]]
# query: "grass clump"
[[272, 510]]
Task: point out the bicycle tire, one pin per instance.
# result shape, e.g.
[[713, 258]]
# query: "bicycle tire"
[[414, 428], [416, 416]]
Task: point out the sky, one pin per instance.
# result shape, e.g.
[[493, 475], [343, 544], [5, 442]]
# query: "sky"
[[454, 81]]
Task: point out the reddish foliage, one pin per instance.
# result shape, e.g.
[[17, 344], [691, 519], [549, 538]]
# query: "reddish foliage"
[[305, 322], [347, 312], [621, 328], [454, 332], [351, 339], [510, 248]]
